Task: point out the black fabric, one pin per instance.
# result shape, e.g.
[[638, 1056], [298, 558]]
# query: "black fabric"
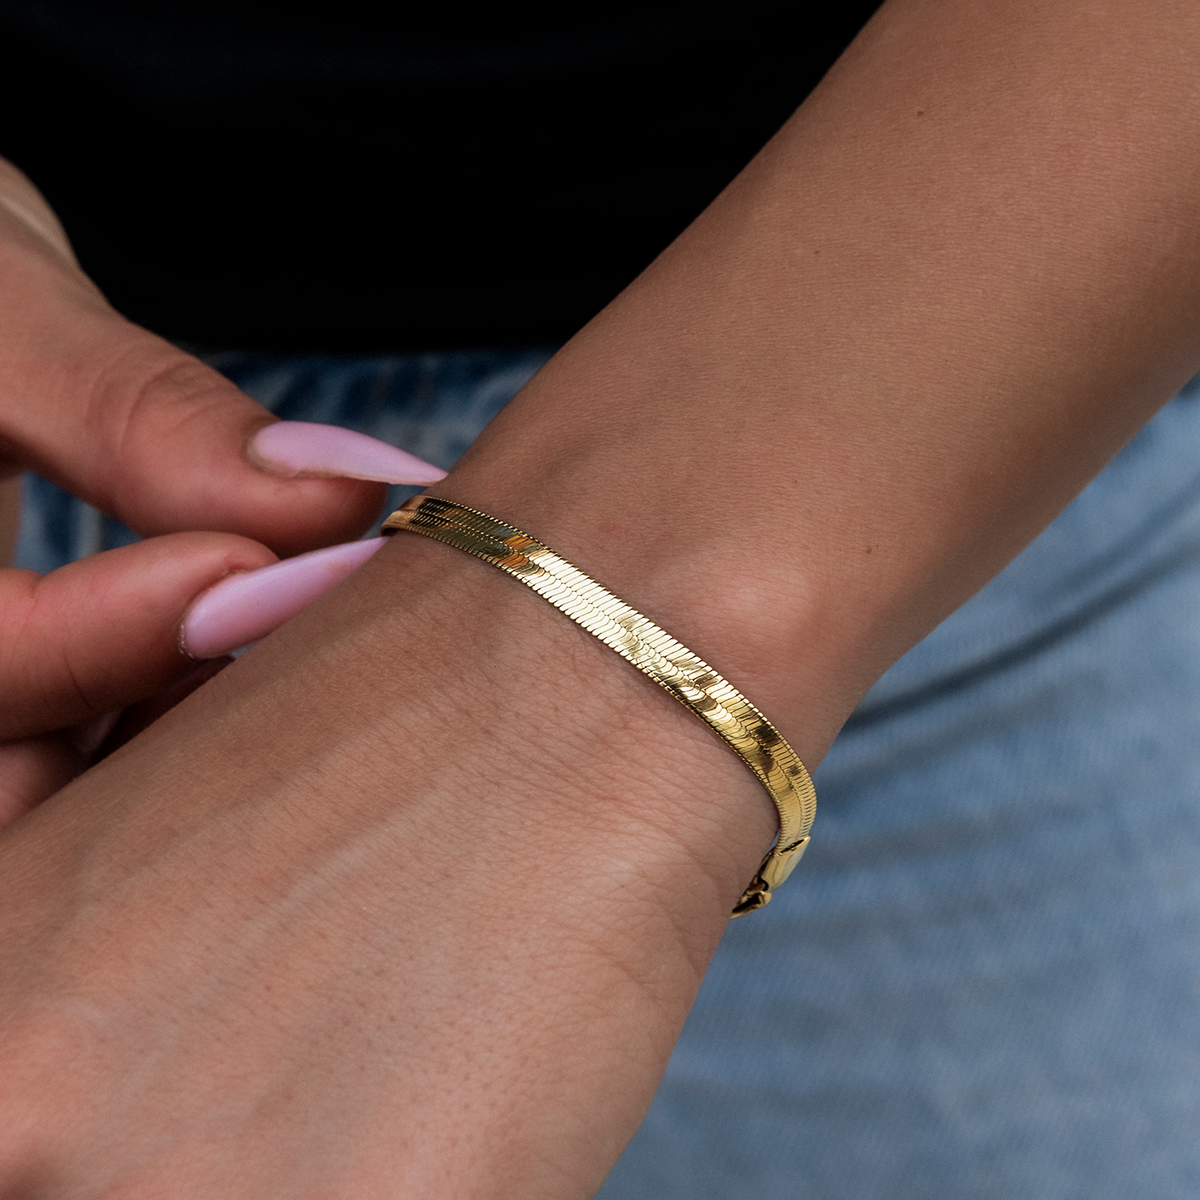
[[328, 178]]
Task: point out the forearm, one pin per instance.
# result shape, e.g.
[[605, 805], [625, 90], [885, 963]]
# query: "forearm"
[[879, 364]]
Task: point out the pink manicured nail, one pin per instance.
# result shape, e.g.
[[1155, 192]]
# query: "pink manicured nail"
[[241, 609], [303, 448]]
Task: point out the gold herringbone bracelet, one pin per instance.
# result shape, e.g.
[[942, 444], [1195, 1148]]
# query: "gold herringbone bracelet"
[[654, 652]]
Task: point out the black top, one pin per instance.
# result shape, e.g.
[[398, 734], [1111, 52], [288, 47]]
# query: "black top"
[[243, 174]]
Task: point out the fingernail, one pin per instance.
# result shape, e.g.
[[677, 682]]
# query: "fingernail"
[[305, 448], [242, 608]]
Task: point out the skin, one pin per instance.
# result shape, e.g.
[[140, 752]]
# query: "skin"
[[144, 432], [412, 899], [10, 518]]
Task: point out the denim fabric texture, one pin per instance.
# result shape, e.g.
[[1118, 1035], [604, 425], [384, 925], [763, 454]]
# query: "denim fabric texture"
[[984, 980]]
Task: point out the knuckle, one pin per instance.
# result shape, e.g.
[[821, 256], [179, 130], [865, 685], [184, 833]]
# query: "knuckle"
[[148, 394]]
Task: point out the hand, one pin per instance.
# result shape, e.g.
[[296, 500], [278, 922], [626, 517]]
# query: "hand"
[[365, 916], [156, 438]]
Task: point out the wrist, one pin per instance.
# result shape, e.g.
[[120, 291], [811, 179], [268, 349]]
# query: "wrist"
[[733, 587], [616, 770]]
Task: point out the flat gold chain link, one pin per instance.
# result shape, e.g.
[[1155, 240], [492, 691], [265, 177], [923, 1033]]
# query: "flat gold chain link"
[[654, 652]]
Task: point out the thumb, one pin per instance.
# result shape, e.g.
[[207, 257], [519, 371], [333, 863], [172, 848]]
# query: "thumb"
[[158, 439], [150, 434]]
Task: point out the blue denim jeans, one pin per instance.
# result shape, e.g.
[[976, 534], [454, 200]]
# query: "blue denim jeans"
[[984, 981]]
